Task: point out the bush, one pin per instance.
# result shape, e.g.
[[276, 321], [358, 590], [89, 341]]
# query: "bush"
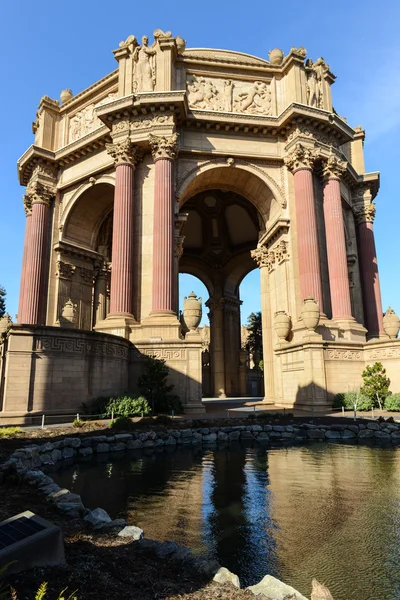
[[127, 406], [392, 403], [153, 385], [122, 424], [78, 423], [376, 384], [347, 400], [6, 432]]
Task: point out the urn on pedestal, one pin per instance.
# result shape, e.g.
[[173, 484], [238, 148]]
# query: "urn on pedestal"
[[310, 313], [282, 324], [192, 311], [67, 318], [391, 323]]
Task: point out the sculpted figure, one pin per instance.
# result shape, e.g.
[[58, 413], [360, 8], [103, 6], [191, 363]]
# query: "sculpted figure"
[[144, 72], [228, 95], [76, 125], [202, 93], [315, 82], [256, 101]]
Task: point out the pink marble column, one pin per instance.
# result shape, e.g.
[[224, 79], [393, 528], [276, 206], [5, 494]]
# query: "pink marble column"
[[164, 152], [369, 271], [301, 162], [121, 295], [121, 292], [28, 210], [336, 247], [35, 263]]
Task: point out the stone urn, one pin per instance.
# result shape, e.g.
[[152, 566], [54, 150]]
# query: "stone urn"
[[282, 324], [5, 322], [192, 311], [275, 56], [65, 96], [391, 323], [310, 313], [68, 314]]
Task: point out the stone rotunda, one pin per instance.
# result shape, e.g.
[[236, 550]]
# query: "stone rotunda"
[[200, 161]]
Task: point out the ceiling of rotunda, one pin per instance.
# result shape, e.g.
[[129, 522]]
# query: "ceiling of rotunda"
[[220, 225]]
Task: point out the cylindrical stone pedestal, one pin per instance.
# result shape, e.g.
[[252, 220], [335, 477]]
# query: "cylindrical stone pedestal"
[[35, 265], [336, 251], [307, 237], [121, 295], [370, 280], [163, 254], [21, 313]]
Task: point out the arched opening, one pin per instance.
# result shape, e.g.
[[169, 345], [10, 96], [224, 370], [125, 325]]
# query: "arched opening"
[[227, 210]]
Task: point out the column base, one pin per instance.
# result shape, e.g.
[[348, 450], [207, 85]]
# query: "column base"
[[118, 324], [158, 327], [349, 329]]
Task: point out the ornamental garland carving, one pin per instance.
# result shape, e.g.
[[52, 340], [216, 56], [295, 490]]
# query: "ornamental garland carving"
[[163, 146], [333, 168], [226, 95], [302, 157], [365, 213], [271, 257], [123, 152]]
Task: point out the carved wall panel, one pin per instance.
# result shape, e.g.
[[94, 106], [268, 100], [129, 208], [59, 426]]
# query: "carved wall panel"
[[85, 121]]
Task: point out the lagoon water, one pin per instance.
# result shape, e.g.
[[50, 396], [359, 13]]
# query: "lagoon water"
[[328, 511]]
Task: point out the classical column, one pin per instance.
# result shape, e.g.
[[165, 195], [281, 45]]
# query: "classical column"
[[28, 212], [39, 195], [164, 150], [261, 256], [301, 161], [100, 293], [216, 315], [372, 301], [232, 344], [121, 295], [333, 169]]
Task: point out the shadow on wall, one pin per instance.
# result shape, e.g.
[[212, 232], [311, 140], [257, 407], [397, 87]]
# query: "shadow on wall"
[[313, 398], [53, 370]]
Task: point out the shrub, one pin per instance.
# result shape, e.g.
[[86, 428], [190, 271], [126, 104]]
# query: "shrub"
[[78, 423], [153, 385], [392, 403], [347, 400], [122, 424], [98, 406], [127, 406], [6, 432], [376, 384]]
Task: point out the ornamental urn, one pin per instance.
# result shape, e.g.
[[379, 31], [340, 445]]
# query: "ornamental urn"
[[68, 313], [391, 323], [282, 324], [65, 96], [310, 313], [192, 311], [275, 56]]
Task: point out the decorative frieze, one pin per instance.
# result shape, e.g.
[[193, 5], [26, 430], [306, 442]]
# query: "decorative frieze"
[[302, 157], [343, 355], [381, 353], [163, 146], [85, 121], [75, 345], [123, 152]]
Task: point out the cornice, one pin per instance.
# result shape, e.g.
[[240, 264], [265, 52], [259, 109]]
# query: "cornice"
[[110, 79], [69, 249], [277, 229], [29, 160], [143, 104]]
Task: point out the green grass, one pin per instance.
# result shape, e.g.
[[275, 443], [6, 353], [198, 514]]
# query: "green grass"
[[6, 432]]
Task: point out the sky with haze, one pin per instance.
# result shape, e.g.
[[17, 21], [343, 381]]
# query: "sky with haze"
[[46, 47]]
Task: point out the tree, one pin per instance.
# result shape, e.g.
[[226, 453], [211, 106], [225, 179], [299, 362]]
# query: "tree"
[[254, 339], [376, 384], [153, 385], [2, 301]]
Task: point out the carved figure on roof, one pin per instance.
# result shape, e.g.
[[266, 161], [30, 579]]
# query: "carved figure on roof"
[[256, 101], [144, 71], [315, 82]]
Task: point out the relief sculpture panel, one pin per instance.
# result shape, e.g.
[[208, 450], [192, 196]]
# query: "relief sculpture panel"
[[85, 121], [225, 95]]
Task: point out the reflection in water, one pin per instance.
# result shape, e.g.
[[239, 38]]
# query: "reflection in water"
[[325, 511]]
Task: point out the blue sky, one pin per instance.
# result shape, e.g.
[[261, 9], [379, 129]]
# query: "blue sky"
[[48, 46]]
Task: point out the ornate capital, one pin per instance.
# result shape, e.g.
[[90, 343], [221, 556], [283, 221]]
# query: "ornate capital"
[[365, 213], [270, 257], [179, 246], [27, 205], [163, 146], [301, 157], [123, 153], [38, 193], [333, 168]]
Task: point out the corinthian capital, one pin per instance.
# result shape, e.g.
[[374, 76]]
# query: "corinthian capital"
[[333, 168], [38, 192], [264, 257], [301, 157], [365, 213], [123, 153], [163, 146], [27, 204]]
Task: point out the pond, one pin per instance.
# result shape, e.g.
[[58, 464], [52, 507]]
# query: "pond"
[[329, 511]]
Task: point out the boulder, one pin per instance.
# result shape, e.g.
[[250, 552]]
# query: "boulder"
[[223, 575], [97, 517], [130, 531], [165, 549], [320, 592], [274, 589]]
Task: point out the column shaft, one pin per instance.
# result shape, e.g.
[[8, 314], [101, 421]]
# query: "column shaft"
[[21, 313], [307, 237], [267, 336], [163, 254], [217, 349], [370, 280], [336, 251], [121, 295], [35, 264]]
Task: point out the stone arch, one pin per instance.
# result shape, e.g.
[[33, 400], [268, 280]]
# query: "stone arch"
[[86, 211], [238, 176], [194, 268], [238, 269]]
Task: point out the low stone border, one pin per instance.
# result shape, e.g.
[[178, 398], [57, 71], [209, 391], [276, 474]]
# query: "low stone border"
[[26, 463]]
